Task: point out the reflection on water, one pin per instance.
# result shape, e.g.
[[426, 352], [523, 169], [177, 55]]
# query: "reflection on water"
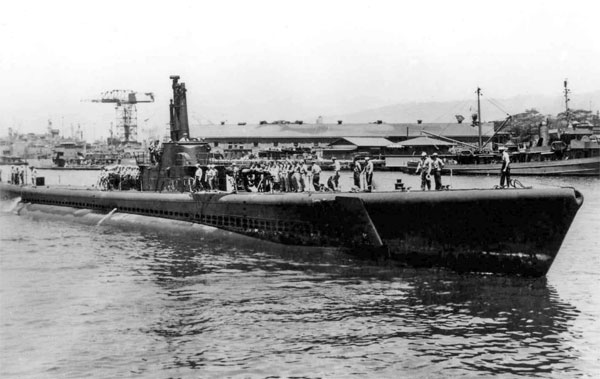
[[232, 309], [79, 300]]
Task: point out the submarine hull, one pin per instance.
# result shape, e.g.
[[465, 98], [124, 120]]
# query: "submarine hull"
[[509, 231]]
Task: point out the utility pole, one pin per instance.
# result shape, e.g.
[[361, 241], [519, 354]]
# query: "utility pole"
[[479, 117]]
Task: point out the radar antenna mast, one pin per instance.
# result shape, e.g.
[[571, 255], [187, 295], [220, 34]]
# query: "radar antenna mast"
[[567, 99]]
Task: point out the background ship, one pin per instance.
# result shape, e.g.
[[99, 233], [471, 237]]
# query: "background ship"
[[560, 152]]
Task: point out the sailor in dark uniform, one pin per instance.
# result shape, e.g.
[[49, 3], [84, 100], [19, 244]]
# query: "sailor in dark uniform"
[[368, 175], [336, 169], [437, 164], [356, 171]]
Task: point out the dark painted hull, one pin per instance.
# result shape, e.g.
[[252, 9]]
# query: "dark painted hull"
[[513, 231]]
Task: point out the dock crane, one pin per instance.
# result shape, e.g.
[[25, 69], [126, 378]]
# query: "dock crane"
[[125, 105]]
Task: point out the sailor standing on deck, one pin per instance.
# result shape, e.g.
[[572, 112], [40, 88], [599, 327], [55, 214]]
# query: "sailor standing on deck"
[[198, 178], [304, 176], [369, 168], [336, 172], [236, 176], [33, 176], [437, 164], [505, 171], [424, 168], [356, 171], [275, 178], [211, 176], [316, 171]]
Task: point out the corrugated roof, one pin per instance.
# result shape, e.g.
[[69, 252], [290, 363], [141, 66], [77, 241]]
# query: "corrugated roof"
[[452, 130], [422, 141], [365, 141]]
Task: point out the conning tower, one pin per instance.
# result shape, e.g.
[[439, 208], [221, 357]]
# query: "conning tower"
[[175, 162]]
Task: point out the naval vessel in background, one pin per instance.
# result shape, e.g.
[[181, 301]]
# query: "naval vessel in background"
[[515, 231], [566, 155]]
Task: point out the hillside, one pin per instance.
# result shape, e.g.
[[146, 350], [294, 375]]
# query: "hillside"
[[445, 111]]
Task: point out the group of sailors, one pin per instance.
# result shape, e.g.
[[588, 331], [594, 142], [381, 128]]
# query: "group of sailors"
[[363, 175], [17, 175], [207, 179], [278, 176], [282, 176], [155, 149], [119, 177], [434, 165], [430, 165]]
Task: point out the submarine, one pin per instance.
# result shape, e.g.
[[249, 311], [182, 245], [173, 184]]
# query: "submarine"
[[513, 231]]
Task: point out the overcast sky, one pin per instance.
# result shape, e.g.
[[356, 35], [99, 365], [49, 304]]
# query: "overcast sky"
[[254, 60]]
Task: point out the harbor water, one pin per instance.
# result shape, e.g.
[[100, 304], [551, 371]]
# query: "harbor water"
[[101, 302]]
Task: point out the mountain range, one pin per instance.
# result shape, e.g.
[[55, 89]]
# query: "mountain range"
[[491, 109]]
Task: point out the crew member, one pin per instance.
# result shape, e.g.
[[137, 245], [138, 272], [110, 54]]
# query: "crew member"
[[437, 164], [331, 184], [152, 151], [184, 138], [316, 171], [198, 178], [505, 170], [297, 178], [424, 168], [369, 174], [336, 169], [211, 176], [33, 176], [304, 176], [356, 171]]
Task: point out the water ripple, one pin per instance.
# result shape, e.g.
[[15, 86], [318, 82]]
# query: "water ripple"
[[96, 301]]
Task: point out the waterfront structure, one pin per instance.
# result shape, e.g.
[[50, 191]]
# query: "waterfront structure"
[[400, 153], [570, 149], [349, 147], [231, 139]]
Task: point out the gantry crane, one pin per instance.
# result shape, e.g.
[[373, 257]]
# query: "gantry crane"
[[125, 101]]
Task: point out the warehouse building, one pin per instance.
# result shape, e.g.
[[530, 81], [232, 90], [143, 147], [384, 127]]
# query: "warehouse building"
[[234, 141]]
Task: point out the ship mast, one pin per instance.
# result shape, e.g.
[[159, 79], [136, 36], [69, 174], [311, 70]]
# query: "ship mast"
[[567, 111], [179, 125], [479, 117]]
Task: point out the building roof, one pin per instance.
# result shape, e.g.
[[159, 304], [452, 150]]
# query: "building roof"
[[331, 131], [363, 141], [422, 141]]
